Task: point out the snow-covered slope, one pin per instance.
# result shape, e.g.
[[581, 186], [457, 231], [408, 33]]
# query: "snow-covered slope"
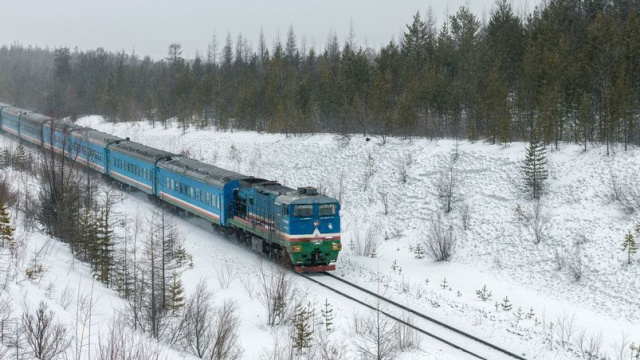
[[497, 248]]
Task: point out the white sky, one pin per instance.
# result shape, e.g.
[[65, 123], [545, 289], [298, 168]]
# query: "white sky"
[[149, 26]]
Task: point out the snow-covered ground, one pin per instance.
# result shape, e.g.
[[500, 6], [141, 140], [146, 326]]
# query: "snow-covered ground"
[[497, 248]]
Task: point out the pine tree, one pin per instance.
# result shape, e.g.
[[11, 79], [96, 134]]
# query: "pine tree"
[[6, 230], [176, 294], [327, 315], [5, 158], [303, 333], [105, 247], [20, 161], [86, 244], [630, 245], [506, 304], [534, 167]]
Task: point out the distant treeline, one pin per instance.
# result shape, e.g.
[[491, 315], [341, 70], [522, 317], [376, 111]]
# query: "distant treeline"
[[569, 71]]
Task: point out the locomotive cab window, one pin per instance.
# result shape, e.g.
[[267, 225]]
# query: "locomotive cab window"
[[327, 210], [303, 210]]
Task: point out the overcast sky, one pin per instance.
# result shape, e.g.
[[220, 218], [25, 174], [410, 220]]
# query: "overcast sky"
[[149, 26]]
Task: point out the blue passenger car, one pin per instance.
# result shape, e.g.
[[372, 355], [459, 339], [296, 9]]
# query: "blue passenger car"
[[56, 136], [89, 147], [31, 127], [202, 189], [2, 107], [11, 120], [135, 164]]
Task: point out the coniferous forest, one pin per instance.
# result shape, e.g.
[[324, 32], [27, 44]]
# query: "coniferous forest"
[[568, 71]]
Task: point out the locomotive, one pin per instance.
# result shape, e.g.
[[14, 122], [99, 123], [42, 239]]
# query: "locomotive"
[[298, 226]]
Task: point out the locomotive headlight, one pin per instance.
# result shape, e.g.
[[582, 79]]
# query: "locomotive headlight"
[[336, 246], [295, 248]]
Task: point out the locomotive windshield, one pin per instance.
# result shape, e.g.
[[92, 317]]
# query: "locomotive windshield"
[[327, 209], [303, 210]]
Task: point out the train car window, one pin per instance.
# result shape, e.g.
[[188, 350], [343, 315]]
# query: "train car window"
[[303, 210], [173, 185], [286, 209], [327, 209], [251, 201], [168, 184], [218, 199], [208, 198]]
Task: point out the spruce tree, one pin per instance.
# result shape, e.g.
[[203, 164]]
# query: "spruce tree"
[[303, 333], [534, 167], [327, 315], [176, 293], [105, 248], [6, 230], [20, 161], [630, 246], [5, 158]]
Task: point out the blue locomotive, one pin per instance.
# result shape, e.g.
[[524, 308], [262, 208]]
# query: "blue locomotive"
[[299, 226]]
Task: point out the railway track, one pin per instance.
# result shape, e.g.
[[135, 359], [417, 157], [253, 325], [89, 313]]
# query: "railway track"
[[469, 344]]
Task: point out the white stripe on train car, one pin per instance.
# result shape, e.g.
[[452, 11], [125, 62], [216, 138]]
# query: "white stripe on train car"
[[29, 137], [190, 206], [128, 179]]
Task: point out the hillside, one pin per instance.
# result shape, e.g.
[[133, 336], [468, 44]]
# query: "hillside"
[[496, 249]]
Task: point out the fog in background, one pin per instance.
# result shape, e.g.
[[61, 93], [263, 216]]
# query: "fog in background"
[[149, 26]]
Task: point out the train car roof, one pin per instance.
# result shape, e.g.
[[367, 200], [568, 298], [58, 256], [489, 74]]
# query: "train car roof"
[[140, 151], [198, 170], [3, 105], [62, 125], [102, 138], [15, 111], [36, 117]]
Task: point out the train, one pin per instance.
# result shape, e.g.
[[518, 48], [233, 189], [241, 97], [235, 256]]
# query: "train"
[[298, 226]]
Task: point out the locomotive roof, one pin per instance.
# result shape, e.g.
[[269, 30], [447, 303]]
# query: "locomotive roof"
[[140, 151], [285, 194], [200, 171], [294, 198]]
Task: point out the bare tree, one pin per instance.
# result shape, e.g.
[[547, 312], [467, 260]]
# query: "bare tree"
[[206, 332], [120, 343], [407, 337], [6, 312], [622, 350], [226, 275], [365, 243], [278, 293], [47, 339], [588, 346], [539, 222], [576, 265], [375, 335], [440, 241]]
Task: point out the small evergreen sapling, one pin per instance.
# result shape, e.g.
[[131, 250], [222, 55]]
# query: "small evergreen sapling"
[[629, 245], [444, 284], [506, 304], [327, 316], [176, 293], [530, 314], [484, 294], [519, 314]]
